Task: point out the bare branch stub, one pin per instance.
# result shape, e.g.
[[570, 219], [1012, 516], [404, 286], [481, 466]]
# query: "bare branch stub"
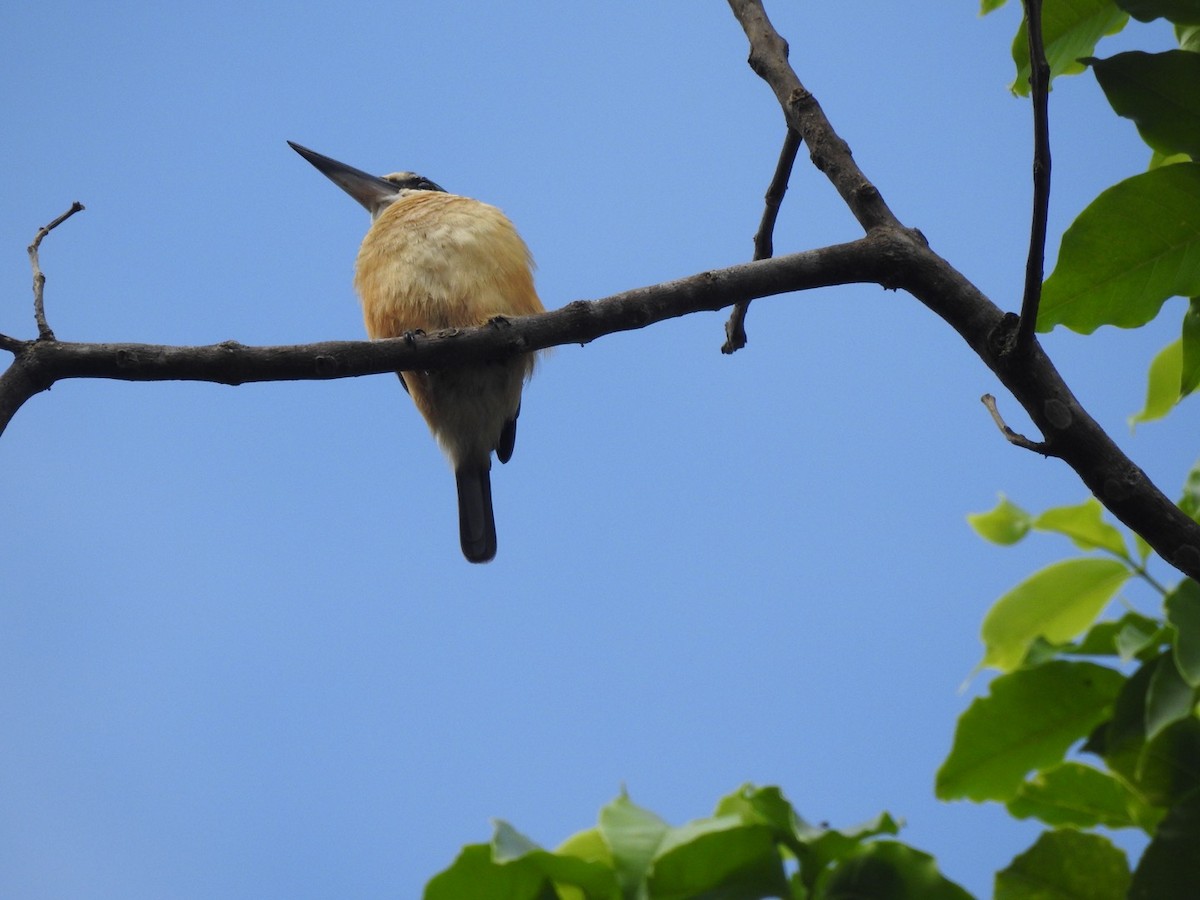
[[764, 238], [39, 279], [1013, 437], [1039, 89]]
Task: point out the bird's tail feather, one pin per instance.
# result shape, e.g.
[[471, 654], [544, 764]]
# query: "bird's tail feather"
[[476, 523]]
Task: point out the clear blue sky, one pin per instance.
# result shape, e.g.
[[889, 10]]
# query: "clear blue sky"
[[241, 654]]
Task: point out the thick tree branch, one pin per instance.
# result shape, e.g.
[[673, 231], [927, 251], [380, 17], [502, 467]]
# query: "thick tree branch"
[[1068, 431], [764, 238], [39, 364], [1039, 88]]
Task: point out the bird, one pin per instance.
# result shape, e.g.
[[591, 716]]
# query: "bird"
[[433, 260]]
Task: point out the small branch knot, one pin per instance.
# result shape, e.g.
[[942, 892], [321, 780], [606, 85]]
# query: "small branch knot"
[[1003, 339], [326, 365]]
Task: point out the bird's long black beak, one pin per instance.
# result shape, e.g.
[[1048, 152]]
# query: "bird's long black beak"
[[372, 192]]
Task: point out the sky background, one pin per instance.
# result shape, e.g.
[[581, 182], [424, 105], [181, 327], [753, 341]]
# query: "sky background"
[[241, 654]]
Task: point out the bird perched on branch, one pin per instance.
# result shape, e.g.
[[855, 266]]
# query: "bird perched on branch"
[[434, 260]]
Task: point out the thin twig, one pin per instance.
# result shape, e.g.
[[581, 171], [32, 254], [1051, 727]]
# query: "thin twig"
[[39, 280], [764, 238], [1011, 436], [1039, 87]]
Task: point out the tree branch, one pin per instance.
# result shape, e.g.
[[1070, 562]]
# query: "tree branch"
[[39, 364], [829, 153], [39, 280], [1039, 88], [764, 238], [1069, 432]]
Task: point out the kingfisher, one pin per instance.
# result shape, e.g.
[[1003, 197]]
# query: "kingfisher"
[[433, 260]]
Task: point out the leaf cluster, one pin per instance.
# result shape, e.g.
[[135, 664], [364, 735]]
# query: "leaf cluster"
[[754, 845], [1123, 692]]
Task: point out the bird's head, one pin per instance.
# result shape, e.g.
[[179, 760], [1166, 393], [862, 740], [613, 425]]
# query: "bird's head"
[[374, 193]]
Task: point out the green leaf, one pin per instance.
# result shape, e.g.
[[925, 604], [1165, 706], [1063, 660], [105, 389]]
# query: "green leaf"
[[987, 6], [1125, 637], [589, 846], [1027, 721], [1168, 699], [1070, 30], [1055, 603], [1085, 526], [1162, 384], [827, 845], [1121, 739], [766, 806], [1170, 867], [1183, 611], [1135, 643], [1189, 377], [721, 859], [888, 870], [1168, 765], [1135, 246], [509, 844], [1077, 795], [1160, 92], [1183, 12], [514, 868], [1162, 768], [731, 855], [1006, 524], [815, 847], [473, 874], [634, 836], [1066, 864], [1167, 159], [1188, 37]]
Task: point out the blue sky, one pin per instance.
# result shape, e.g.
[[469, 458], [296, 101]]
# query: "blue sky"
[[241, 652]]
